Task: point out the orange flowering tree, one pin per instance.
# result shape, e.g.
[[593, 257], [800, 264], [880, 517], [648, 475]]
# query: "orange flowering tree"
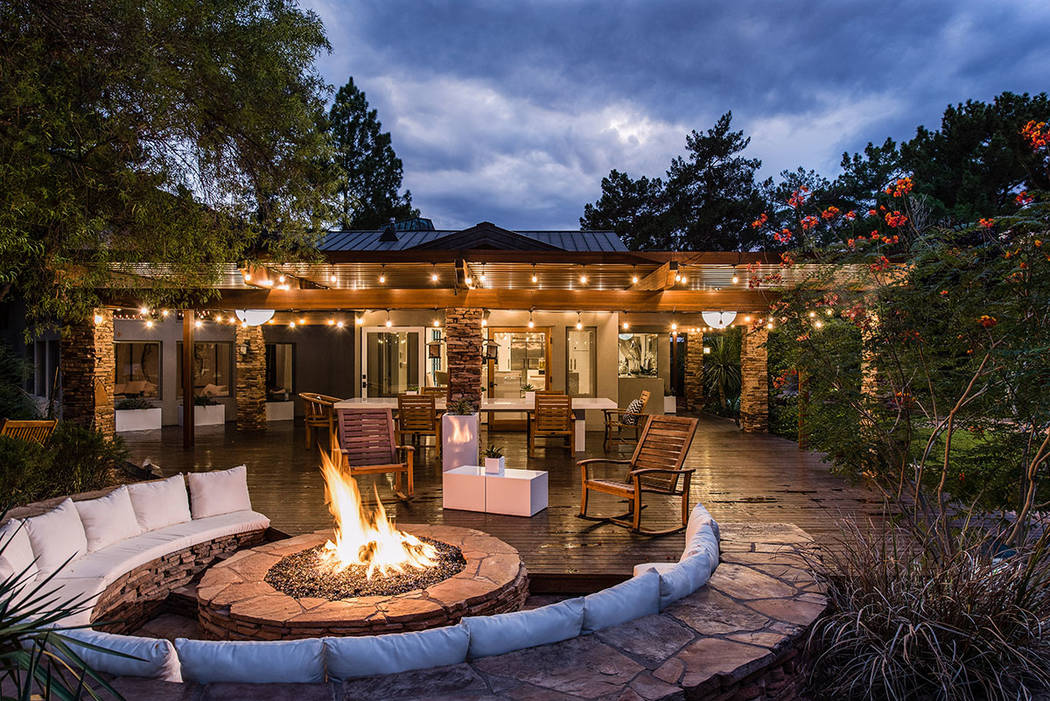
[[923, 353]]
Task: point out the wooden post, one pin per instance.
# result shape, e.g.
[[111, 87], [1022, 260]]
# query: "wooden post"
[[188, 317]]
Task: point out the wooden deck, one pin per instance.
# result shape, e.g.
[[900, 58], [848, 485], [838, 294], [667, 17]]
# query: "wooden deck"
[[748, 478]]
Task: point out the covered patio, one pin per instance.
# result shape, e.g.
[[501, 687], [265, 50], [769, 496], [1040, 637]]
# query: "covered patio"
[[743, 478]]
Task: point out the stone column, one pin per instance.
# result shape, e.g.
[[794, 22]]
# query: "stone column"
[[869, 374], [754, 381], [463, 342], [88, 372], [694, 371], [250, 372]]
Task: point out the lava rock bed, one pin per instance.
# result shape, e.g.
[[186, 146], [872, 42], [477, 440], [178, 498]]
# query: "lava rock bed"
[[307, 574]]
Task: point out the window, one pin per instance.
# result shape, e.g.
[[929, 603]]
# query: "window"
[[638, 354], [280, 371], [213, 363], [137, 369], [582, 361]]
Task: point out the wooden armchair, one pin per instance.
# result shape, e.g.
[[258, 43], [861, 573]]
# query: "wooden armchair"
[[619, 421], [655, 467], [367, 447], [417, 416], [551, 418], [29, 431], [319, 413]]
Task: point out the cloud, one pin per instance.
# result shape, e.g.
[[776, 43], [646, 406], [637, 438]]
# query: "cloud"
[[513, 112]]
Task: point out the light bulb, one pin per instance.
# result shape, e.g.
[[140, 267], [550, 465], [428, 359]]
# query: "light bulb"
[[433, 277], [677, 277], [359, 320], [747, 319], [339, 324], [98, 318], [469, 280], [331, 322], [280, 278], [626, 325], [735, 279], [684, 280], [829, 311], [532, 324], [198, 323], [484, 322], [436, 323], [267, 282], [482, 277], [149, 323], [291, 324], [382, 279], [535, 279], [389, 323], [818, 323], [634, 279], [579, 325], [674, 326], [143, 310], [247, 277], [583, 279], [302, 320], [769, 326], [164, 312], [812, 314]]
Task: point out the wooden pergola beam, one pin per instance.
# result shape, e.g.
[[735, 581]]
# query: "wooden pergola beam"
[[743, 300], [663, 278]]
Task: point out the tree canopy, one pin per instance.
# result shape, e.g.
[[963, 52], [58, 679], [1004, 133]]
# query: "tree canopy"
[[173, 133], [369, 172]]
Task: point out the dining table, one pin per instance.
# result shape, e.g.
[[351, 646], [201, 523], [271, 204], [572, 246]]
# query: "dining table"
[[580, 405]]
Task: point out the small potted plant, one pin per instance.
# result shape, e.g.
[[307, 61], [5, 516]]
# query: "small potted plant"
[[136, 414], [494, 460], [529, 392], [412, 389], [460, 430]]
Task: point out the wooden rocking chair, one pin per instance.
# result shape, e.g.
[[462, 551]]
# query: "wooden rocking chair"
[[367, 447], [655, 467]]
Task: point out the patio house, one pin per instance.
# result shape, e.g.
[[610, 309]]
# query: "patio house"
[[481, 310]]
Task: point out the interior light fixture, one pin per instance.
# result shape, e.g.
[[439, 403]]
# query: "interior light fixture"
[[436, 323], [674, 326], [359, 320], [267, 282], [468, 280], [164, 313], [302, 321]]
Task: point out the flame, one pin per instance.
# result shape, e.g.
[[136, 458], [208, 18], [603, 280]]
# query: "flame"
[[367, 539]]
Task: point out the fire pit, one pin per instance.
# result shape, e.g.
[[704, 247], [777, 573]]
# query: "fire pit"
[[364, 577]]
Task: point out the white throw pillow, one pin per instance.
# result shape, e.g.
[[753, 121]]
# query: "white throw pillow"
[[156, 656], [219, 492], [16, 548], [57, 537], [160, 503], [506, 632], [6, 570], [290, 661], [108, 519], [637, 597], [366, 656]]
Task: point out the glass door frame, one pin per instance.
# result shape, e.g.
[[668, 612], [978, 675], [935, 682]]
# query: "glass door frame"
[[420, 364], [548, 332]]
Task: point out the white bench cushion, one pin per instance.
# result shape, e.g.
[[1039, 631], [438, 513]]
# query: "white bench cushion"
[[109, 563], [637, 597], [658, 567], [366, 656], [56, 537], [505, 632], [684, 578], [160, 503], [85, 590], [218, 492], [16, 547], [156, 657], [108, 519], [290, 661], [701, 534]]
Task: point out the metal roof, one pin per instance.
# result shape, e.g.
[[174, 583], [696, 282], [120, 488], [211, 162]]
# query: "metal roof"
[[583, 241]]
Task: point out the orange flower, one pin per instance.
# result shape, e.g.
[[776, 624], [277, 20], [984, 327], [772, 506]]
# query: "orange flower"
[[852, 214], [809, 222], [1023, 198], [883, 263], [900, 188], [872, 213], [760, 221], [986, 222], [987, 321], [830, 213], [785, 234], [895, 219], [1037, 134], [798, 197]]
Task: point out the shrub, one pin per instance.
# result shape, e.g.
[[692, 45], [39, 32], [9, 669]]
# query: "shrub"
[[134, 403], [75, 459], [928, 611]]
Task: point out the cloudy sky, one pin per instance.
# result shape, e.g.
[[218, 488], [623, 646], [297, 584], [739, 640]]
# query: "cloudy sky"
[[512, 112]]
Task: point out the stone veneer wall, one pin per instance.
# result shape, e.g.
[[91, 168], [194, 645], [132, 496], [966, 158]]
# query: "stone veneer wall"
[[250, 373], [754, 381], [88, 372], [463, 342], [134, 597], [694, 371]]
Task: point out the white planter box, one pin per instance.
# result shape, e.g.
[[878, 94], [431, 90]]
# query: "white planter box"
[[495, 466], [670, 405], [138, 419], [280, 411], [207, 415], [459, 441], [513, 493], [530, 397]]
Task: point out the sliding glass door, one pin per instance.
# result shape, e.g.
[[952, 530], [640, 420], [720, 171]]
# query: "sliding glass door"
[[523, 358], [391, 360]]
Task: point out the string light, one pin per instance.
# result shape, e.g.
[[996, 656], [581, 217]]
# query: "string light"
[[149, 323], [280, 279], [389, 323], [143, 310], [433, 274], [247, 277], [482, 276], [579, 320], [302, 321], [331, 322], [164, 313], [634, 274], [532, 324], [331, 278], [382, 275], [769, 326], [829, 311], [812, 314], [291, 324], [534, 278], [198, 323], [818, 323], [339, 324], [626, 324]]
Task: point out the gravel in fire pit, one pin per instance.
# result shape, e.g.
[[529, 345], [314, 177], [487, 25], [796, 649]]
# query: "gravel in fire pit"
[[306, 574]]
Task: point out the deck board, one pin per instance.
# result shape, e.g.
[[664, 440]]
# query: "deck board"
[[748, 478]]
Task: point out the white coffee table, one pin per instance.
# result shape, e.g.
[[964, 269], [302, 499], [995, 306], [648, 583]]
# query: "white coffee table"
[[514, 493]]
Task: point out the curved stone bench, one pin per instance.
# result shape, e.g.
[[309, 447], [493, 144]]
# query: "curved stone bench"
[[121, 552]]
